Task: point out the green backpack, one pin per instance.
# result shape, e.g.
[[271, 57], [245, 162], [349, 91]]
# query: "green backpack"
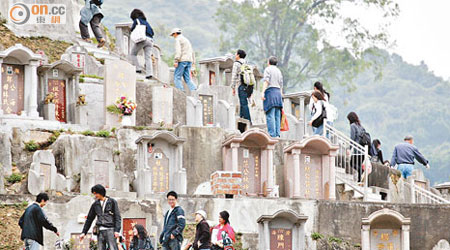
[[248, 77]]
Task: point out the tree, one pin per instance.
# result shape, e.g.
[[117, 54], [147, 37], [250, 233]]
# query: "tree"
[[291, 30]]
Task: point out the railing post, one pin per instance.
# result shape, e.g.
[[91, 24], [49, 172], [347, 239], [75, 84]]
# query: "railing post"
[[413, 191], [366, 172], [325, 127]]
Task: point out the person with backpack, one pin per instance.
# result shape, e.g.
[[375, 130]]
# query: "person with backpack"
[[319, 113], [273, 100], [92, 14], [404, 155], [375, 152], [146, 44], [108, 224], [360, 136], [32, 221], [184, 60], [242, 77], [141, 240], [174, 222], [223, 236]]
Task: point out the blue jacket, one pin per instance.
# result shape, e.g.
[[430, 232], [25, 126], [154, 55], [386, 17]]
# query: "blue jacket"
[[149, 31], [88, 11], [32, 222], [174, 223], [405, 153]]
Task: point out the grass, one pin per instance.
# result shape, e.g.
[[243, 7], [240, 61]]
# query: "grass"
[[92, 76], [53, 49], [31, 146], [317, 236], [88, 133], [14, 178], [103, 133]]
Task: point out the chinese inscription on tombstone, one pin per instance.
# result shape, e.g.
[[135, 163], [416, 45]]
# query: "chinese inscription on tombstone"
[[251, 170], [385, 239], [58, 88], [311, 180], [84, 245], [12, 88], [78, 59], [280, 239], [159, 164], [101, 171], [46, 171], [208, 113], [128, 225]]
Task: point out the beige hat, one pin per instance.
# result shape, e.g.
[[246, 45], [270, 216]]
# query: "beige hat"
[[175, 30], [202, 213]]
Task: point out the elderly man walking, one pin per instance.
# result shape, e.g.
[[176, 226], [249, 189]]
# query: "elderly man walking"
[[404, 155], [184, 58]]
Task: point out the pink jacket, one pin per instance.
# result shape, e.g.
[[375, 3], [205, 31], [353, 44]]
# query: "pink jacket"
[[228, 229]]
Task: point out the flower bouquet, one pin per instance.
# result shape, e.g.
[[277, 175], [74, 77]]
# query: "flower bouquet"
[[122, 107]]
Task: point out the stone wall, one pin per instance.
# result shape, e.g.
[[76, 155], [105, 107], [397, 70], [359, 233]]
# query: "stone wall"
[[343, 220]]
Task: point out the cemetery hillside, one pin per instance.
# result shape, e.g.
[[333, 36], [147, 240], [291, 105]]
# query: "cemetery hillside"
[[217, 123]]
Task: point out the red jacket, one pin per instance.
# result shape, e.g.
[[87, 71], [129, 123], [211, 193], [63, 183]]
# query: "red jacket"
[[228, 229]]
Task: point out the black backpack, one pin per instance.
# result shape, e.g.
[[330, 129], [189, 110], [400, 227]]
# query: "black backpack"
[[364, 138], [97, 2]]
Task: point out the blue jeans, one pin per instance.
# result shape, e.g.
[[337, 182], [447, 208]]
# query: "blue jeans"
[[273, 117], [31, 245], [243, 101], [183, 70], [406, 170], [318, 131]]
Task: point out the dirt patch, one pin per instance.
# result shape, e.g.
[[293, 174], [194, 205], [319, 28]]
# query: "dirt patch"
[[52, 49], [9, 228]]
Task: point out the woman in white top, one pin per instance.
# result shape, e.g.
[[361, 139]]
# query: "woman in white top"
[[318, 107]]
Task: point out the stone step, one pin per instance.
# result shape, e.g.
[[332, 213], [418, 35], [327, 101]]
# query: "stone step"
[[105, 56], [121, 194]]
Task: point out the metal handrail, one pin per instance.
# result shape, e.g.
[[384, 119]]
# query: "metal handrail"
[[425, 193], [342, 136]]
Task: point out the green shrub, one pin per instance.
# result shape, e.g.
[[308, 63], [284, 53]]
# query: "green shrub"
[[116, 152], [103, 133], [14, 178], [31, 146], [334, 239], [52, 139], [88, 133], [113, 130], [317, 236], [113, 109]]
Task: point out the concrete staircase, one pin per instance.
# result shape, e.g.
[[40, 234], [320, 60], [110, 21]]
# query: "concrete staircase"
[[349, 190], [99, 53]]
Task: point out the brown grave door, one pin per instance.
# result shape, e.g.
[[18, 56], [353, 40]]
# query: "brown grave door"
[[208, 112], [311, 186], [280, 239], [101, 172], [12, 89], [84, 245], [159, 164], [250, 166], [58, 88], [128, 224]]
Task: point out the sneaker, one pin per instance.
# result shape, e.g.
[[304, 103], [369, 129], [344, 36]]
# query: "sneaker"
[[139, 71], [148, 77], [101, 43], [87, 40]]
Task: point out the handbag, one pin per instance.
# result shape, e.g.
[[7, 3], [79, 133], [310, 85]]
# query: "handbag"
[[319, 121], [284, 122], [139, 33]]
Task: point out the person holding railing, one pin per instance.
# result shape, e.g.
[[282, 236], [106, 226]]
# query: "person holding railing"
[[357, 134], [404, 155]]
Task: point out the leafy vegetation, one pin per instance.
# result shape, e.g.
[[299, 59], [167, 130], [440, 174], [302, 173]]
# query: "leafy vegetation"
[[103, 133], [31, 146], [88, 133], [14, 178], [317, 236]]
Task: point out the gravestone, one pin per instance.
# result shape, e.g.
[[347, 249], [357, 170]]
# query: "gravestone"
[[162, 105], [120, 80], [19, 82], [251, 154], [208, 109], [226, 115], [385, 229], [309, 169], [128, 224], [43, 176], [194, 109], [283, 230], [159, 164]]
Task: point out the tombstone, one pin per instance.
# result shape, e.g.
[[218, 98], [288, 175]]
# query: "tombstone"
[[62, 80], [84, 245], [102, 170], [309, 169], [128, 224], [162, 105], [385, 229], [194, 109], [296, 108], [226, 115], [120, 80], [159, 164], [251, 153], [43, 176], [284, 230], [212, 70], [19, 82]]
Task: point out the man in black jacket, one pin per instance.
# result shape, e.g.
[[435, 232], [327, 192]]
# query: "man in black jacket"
[[32, 221], [108, 219], [174, 223]]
